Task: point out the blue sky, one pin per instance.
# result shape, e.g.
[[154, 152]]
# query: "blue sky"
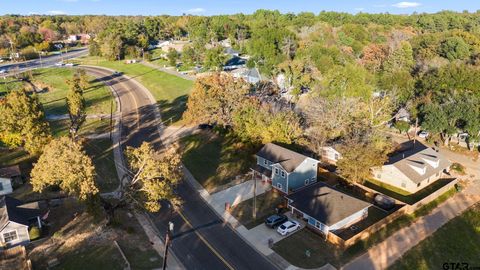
[[212, 7]]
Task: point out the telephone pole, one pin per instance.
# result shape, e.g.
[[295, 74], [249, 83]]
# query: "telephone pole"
[[167, 243], [254, 210]]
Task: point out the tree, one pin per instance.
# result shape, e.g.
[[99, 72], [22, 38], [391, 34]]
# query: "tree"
[[76, 104], [155, 176], [360, 152], [214, 59], [172, 56], [259, 123], [454, 48], [402, 126], [65, 164], [400, 59], [214, 99], [189, 57], [23, 122]]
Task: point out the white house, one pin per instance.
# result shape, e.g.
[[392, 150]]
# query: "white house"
[[413, 167], [327, 209], [330, 154], [15, 220], [5, 186]]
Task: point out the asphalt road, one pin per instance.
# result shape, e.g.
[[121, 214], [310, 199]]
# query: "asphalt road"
[[201, 240], [47, 61]]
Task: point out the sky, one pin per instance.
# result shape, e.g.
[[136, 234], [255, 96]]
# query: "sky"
[[215, 7]]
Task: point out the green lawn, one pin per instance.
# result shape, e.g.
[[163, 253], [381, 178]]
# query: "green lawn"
[[101, 152], [266, 204], [293, 247], [456, 242], [93, 257], [404, 196], [98, 97], [215, 160], [9, 84], [91, 126], [171, 92]]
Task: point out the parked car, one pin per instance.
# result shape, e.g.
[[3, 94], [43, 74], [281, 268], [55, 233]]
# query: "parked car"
[[275, 220], [384, 202], [3, 71], [59, 64], [116, 73], [423, 134], [205, 126], [288, 227], [69, 65]]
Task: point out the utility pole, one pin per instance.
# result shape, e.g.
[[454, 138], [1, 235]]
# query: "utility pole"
[[111, 119], [415, 135], [254, 211], [167, 243]]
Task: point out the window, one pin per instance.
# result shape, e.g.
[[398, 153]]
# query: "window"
[[1, 186], [283, 174], [404, 184], [10, 236], [336, 156], [313, 180], [418, 185], [265, 162], [379, 175], [306, 182], [279, 186], [276, 171]]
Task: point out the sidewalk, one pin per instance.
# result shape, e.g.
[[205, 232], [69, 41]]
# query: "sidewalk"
[[387, 252]]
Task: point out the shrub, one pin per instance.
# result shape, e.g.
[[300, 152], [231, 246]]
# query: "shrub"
[[459, 168], [34, 233]]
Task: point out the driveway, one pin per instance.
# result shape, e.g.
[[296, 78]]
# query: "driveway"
[[236, 194], [261, 235]]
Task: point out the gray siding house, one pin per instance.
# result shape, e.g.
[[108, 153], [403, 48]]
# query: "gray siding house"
[[15, 220], [327, 209], [413, 167], [285, 169]]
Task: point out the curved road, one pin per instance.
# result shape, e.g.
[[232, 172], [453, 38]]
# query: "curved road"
[[47, 61], [201, 239]]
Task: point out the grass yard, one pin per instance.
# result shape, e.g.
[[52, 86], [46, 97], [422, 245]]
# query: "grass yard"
[[456, 242], [9, 84], [404, 196], [293, 247], [101, 152], [10, 157], [171, 92], [215, 160], [266, 204], [91, 126], [94, 257], [98, 97]]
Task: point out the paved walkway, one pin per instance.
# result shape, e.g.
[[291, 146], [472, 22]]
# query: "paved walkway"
[[169, 71], [172, 134], [387, 252], [89, 116]]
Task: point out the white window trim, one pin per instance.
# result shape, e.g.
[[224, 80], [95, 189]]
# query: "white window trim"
[[283, 173], [277, 171], [280, 186], [16, 234], [265, 162], [307, 181]]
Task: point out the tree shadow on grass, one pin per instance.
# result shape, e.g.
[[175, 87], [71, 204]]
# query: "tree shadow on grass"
[[172, 112]]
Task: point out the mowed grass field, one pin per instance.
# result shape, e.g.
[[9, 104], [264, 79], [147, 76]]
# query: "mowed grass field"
[[98, 98], [171, 92]]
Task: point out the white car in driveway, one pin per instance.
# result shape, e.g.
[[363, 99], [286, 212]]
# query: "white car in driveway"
[[288, 227], [3, 71], [423, 134]]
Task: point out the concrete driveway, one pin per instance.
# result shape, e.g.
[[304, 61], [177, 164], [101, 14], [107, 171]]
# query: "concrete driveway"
[[237, 194], [261, 235]]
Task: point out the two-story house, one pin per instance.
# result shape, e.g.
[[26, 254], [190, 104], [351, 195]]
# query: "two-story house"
[[287, 170]]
